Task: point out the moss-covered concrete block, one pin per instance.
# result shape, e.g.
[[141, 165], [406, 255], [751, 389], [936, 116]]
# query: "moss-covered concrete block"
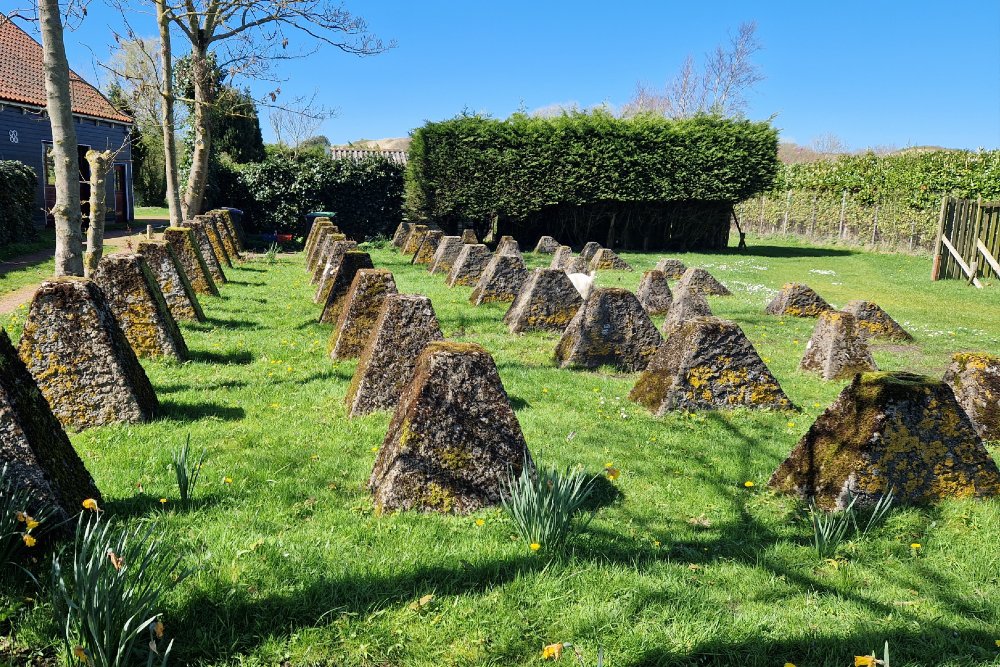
[[700, 280], [975, 379], [546, 302], [508, 246], [674, 268], [362, 306], [469, 236], [446, 254], [329, 253], [140, 307], [687, 305], [590, 249], [606, 259], [406, 324], [454, 440], [654, 292], [414, 238], [333, 259], [428, 246], [546, 245], [469, 265], [218, 247], [501, 280], [707, 364], [34, 446], [874, 322], [319, 224], [797, 300], [610, 328], [232, 245], [885, 431], [80, 358], [399, 236], [184, 245], [565, 260], [322, 238], [207, 251], [340, 283], [836, 349], [166, 267]]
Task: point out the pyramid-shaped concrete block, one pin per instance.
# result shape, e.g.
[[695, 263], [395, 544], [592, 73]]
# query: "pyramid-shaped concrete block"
[[81, 360], [182, 241], [329, 253], [207, 251], [707, 364], [874, 322], [797, 300], [362, 306], [333, 259], [446, 254], [565, 260], [139, 306], [454, 440], [589, 250], [975, 379], [687, 305], [469, 265], [654, 292], [469, 236], [836, 349], [508, 246], [546, 245], [165, 266], [319, 224], [414, 238], [405, 325], [225, 233], [322, 236], [234, 227], [674, 268], [399, 236], [340, 283], [606, 259], [547, 302], [34, 446], [610, 328], [889, 431], [428, 246], [702, 281], [501, 280], [218, 247]]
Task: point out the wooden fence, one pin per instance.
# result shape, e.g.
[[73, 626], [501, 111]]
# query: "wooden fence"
[[968, 241]]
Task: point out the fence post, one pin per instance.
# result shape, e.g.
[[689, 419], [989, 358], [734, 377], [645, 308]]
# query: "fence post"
[[812, 228], [875, 224], [760, 227], [843, 214], [936, 269], [149, 231], [788, 205]]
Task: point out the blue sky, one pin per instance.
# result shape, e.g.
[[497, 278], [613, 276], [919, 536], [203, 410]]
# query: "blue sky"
[[871, 73]]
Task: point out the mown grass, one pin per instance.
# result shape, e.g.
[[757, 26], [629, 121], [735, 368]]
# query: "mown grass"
[[682, 565]]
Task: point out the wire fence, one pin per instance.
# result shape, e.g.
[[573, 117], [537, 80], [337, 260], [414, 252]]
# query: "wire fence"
[[889, 224]]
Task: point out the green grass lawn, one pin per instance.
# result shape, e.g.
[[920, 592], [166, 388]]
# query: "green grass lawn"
[[682, 565]]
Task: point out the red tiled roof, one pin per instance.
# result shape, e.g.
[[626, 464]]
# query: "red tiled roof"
[[22, 80]]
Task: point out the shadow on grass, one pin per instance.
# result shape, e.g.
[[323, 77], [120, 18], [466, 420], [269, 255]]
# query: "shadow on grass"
[[221, 323], [143, 505], [789, 252], [517, 402], [211, 386], [235, 357], [195, 411], [246, 283], [243, 267]]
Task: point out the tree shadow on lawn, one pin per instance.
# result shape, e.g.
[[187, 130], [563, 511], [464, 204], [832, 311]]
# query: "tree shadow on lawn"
[[188, 412], [144, 505], [787, 252], [233, 357], [245, 283], [177, 388], [246, 325]]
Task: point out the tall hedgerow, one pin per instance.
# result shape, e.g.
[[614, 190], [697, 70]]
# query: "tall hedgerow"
[[513, 171], [17, 198]]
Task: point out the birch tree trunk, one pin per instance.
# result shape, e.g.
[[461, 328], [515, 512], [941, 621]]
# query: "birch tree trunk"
[[100, 165], [167, 117], [203, 98], [65, 156]]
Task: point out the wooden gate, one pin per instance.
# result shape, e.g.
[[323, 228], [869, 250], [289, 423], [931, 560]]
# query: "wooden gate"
[[968, 241]]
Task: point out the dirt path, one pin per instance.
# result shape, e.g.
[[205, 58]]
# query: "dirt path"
[[115, 241]]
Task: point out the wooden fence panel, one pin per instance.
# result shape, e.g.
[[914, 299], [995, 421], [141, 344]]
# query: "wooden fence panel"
[[968, 241]]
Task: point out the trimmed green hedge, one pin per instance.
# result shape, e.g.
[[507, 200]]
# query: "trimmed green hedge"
[[537, 175], [17, 198], [366, 195]]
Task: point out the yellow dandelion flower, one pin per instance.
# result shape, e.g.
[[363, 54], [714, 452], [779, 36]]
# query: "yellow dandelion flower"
[[789, 664], [90, 504], [535, 546], [480, 522], [374, 449], [915, 546], [552, 652], [29, 541], [656, 543], [163, 501], [749, 484], [227, 480], [545, 390], [997, 642], [790, 424], [612, 473]]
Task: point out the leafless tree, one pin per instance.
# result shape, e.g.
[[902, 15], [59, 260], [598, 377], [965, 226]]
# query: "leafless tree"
[[719, 87], [247, 37], [294, 123]]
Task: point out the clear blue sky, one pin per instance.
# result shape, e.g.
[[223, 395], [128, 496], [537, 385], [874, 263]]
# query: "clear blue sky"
[[872, 73]]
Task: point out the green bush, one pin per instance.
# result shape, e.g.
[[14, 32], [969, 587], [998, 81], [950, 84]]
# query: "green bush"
[[559, 175], [366, 195], [17, 199]]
